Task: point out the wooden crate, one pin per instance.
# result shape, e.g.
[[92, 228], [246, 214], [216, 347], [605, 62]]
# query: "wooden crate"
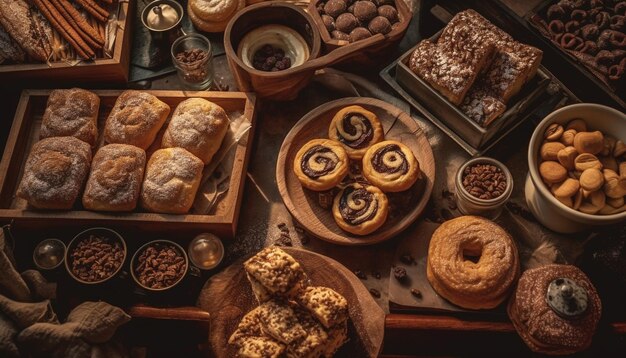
[[25, 132], [100, 70]]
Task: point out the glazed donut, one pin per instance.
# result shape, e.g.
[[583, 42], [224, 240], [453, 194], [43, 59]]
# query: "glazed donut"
[[356, 129], [482, 284], [321, 164], [360, 208], [541, 327], [391, 166]]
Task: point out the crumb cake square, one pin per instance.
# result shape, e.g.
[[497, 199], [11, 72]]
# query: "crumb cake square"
[[325, 304], [273, 272], [280, 322]]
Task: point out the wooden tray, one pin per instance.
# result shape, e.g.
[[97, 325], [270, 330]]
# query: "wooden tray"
[[303, 203], [227, 297], [372, 53], [101, 70], [25, 132]]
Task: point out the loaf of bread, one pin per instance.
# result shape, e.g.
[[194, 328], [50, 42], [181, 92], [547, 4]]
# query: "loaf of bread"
[[55, 172], [9, 49], [135, 119], [198, 126], [19, 20], [71, 112], [171, 181], [115, 180]]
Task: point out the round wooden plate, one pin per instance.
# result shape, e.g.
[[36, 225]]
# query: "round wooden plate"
[[227, 297], [304, 205]]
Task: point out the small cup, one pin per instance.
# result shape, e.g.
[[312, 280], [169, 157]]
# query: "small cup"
[[49, 254], [135, 258], [111, 235], [469, 204], [194, 73], [206, 251]]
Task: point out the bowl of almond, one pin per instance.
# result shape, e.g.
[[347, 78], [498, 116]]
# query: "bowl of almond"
[[577, 168]]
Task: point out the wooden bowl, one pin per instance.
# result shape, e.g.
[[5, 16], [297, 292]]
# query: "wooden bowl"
[[371, 54], [304, 205], [280, 85], [227, 297]]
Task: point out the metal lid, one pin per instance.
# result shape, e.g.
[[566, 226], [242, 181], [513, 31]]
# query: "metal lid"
[[566, 298]]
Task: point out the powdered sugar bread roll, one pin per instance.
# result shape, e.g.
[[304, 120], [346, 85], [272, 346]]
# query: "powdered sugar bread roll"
[[115, 179], [198, 126], [135, 119], [71, 112], [171, 181], [55, 172]]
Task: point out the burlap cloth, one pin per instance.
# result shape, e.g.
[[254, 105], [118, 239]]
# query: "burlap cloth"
[[29, 326]]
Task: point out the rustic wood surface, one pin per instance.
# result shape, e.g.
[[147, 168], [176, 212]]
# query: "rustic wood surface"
[[100, 70], [25, 132], [404, 207], [227, 297]]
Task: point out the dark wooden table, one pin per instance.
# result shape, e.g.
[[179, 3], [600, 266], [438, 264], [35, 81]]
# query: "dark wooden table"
[[263, 211]]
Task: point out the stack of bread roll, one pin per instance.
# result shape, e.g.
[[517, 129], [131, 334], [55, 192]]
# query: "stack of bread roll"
[[59, 165]]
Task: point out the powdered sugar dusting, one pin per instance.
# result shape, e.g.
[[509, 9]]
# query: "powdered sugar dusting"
[[55, 172], [135, 119], [116, 175], [196, 124], [72, 112], [170, 176]]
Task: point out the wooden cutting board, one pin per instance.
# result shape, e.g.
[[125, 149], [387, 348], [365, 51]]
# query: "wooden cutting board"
[[227, 297]]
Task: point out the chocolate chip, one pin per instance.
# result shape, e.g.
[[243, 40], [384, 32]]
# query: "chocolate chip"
[[160, 265], [374, 292]]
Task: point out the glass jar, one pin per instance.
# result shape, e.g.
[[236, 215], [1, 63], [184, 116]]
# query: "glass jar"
[[192, 56], [469, 204]]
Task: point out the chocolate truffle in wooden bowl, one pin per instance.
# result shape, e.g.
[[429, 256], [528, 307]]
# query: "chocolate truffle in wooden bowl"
[[356, 21], [555, 309]]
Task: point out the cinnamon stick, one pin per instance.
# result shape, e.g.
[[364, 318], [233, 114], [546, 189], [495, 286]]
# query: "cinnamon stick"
[[68, 33], [80, 25], [94, 9]]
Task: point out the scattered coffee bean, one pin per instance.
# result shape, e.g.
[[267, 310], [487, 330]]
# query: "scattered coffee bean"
[[376, 274], [399, 273], [417, 293], [407, 259], [96, 258], [191, 55], [374, 292], [282, 226], [484, 181], [160, 265], [284, 240], [360, 274], [270, 59]]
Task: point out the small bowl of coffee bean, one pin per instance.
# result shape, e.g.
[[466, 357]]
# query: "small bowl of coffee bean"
[[483, 185], [159, 265], [95, 255]]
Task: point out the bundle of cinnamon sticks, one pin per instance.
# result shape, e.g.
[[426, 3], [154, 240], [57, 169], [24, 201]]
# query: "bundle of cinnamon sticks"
[[72, 26]]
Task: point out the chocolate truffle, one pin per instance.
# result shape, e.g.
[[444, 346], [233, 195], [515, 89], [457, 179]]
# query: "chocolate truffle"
[[389, 12], [359, 33], [346, 22], [340, 35], [379, 25], [335, 7], [329, 23], [365, 11]]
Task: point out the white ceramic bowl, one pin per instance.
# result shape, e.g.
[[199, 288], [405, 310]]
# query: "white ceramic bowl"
[[546, 208]]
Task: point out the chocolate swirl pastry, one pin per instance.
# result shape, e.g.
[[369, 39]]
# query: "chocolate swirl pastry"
[[321, 164], [356, 129], [391, 166], [360, 208], [589, 30]]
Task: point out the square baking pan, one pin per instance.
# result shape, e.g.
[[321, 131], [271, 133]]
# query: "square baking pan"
[[476, 136]]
